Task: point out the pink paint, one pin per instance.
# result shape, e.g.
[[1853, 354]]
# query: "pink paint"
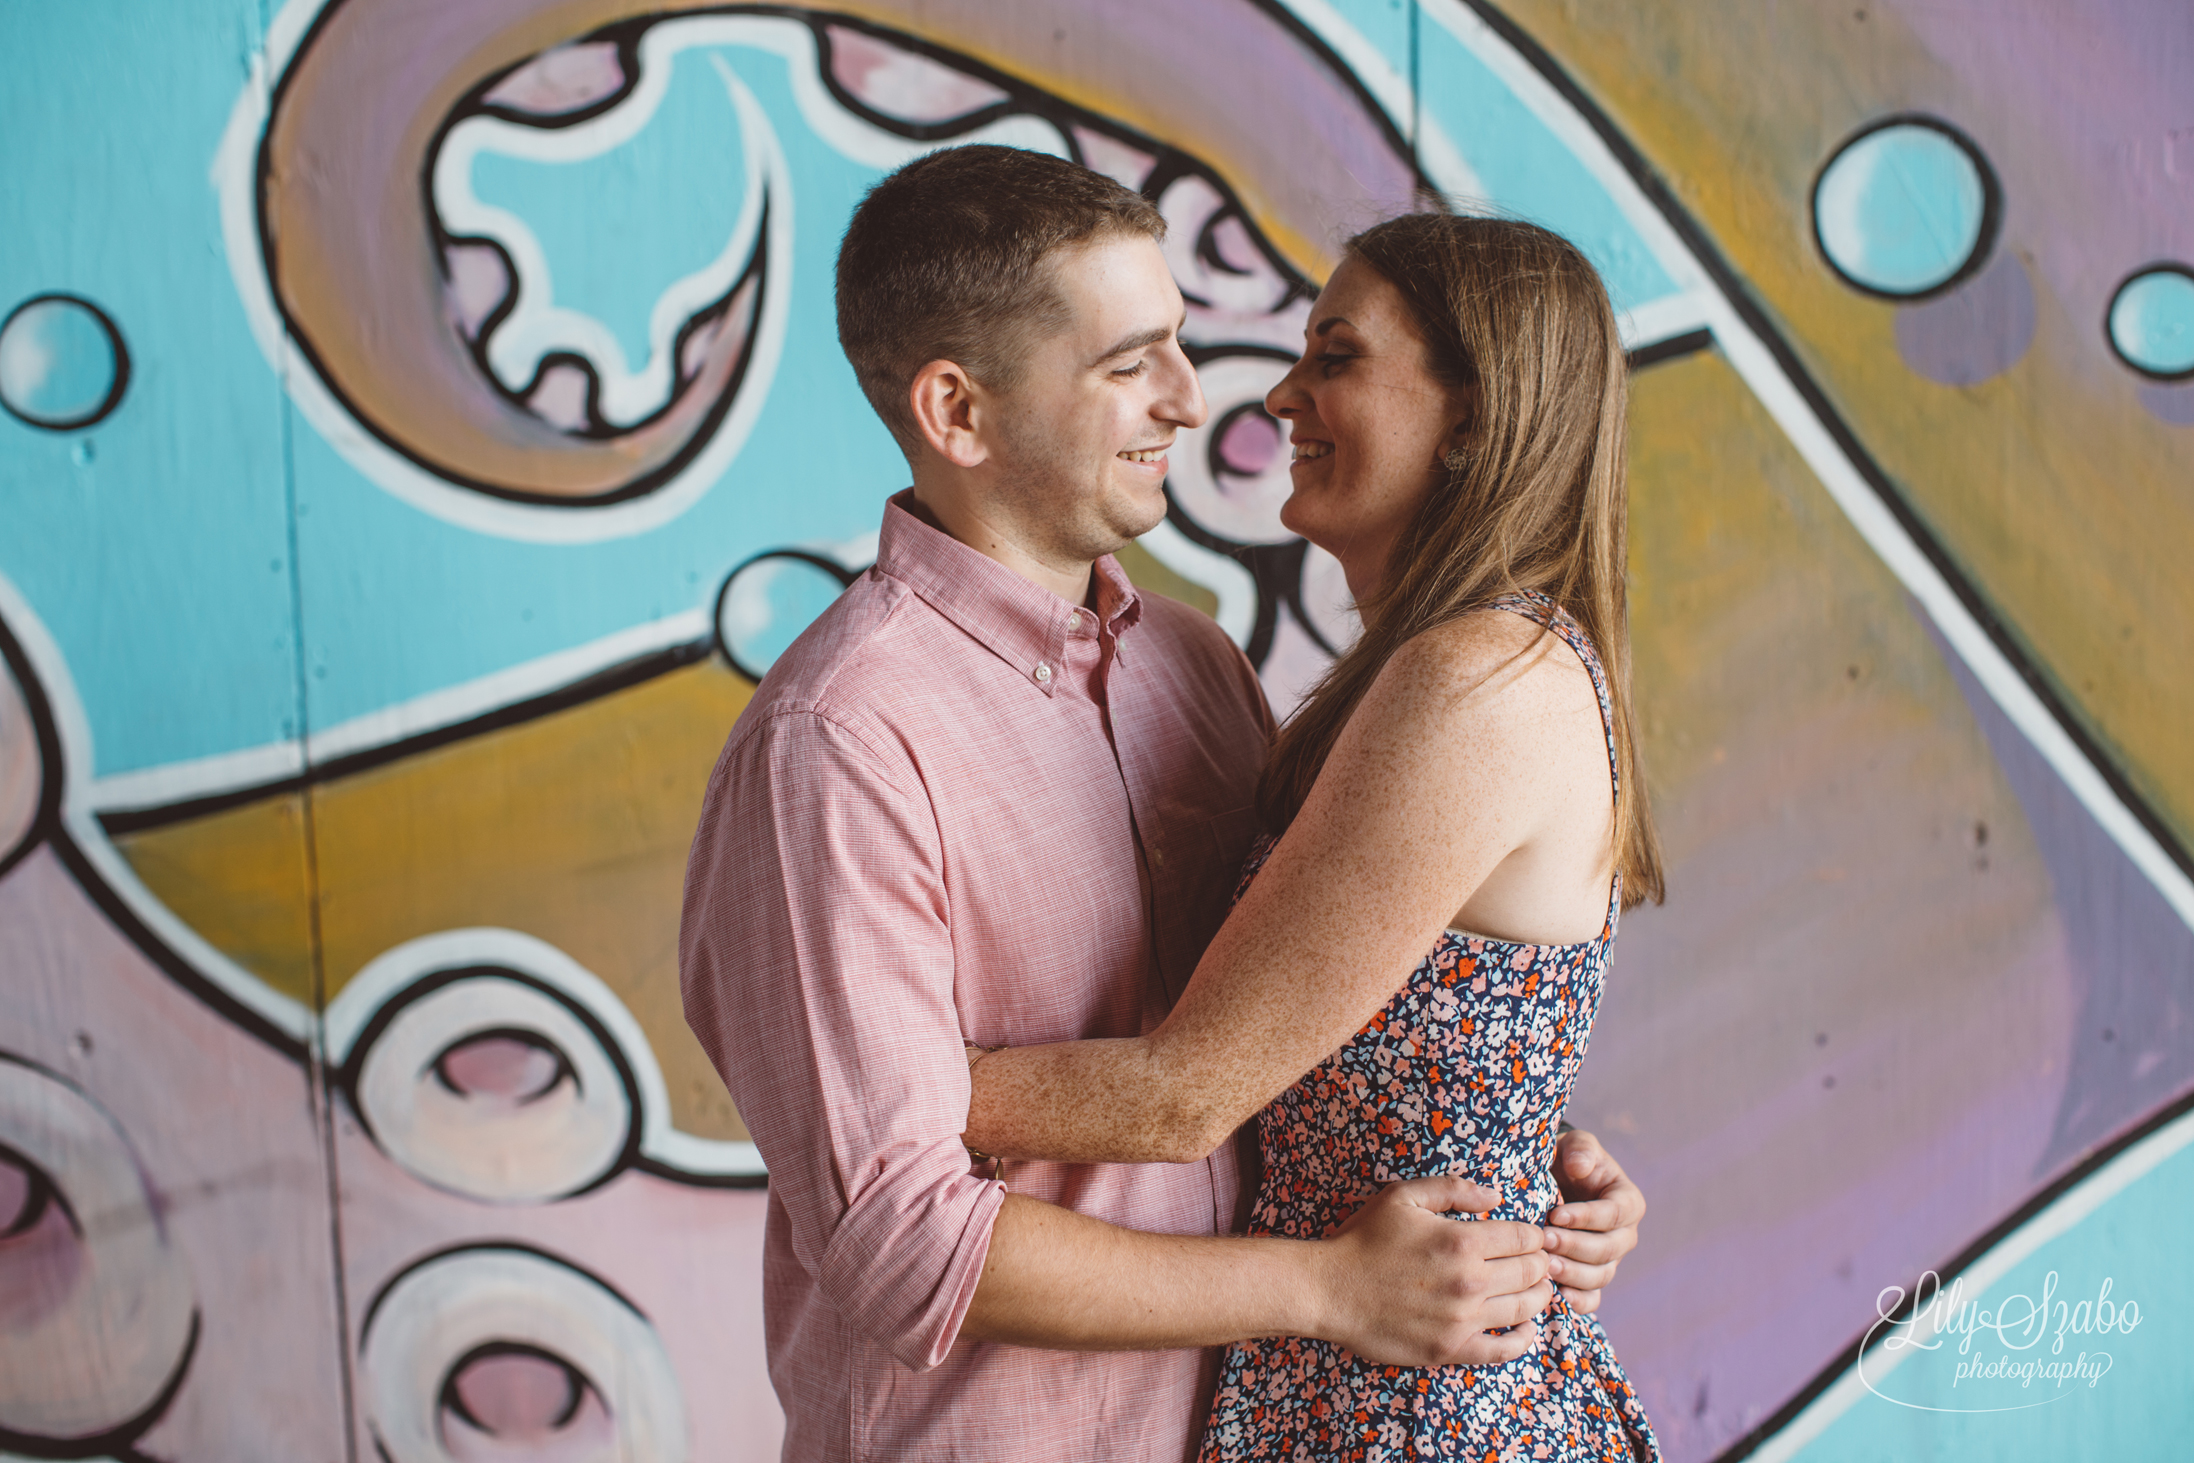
[[477, 282], [901, 84], [1250, 445], [508, 1069], [560, 81], [40, 1265]]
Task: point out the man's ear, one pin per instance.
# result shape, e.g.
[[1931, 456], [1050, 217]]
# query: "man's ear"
[[946, 405]]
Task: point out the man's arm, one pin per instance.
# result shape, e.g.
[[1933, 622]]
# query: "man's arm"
[[1596, 1225], [817, 964], [1400, 1284]]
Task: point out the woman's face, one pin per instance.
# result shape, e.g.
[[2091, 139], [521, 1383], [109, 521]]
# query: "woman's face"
[[1368, 421]]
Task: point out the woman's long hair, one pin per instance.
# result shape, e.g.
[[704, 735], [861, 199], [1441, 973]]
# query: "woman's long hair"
[[1539, 502]]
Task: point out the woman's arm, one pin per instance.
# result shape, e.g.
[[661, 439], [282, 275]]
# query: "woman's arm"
[[1441, 774]]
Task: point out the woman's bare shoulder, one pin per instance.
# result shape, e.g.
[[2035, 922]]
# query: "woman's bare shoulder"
[[1488, 656]]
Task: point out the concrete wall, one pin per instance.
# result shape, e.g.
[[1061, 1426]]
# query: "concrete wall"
[[424, 421]]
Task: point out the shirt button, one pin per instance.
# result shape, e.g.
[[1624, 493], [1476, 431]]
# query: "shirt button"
[[1074, 623], [1043, 673]]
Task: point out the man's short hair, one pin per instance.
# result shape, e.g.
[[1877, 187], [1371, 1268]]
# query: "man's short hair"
[[945, 260]]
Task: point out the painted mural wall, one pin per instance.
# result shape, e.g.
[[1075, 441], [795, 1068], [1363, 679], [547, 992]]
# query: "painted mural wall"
[[424, 423]]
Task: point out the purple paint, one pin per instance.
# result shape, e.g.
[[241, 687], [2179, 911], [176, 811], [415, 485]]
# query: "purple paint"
[[2131, 1045], [1978, 330], [2169, 401]]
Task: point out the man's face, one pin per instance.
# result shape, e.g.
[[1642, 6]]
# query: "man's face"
[[1080, 441]]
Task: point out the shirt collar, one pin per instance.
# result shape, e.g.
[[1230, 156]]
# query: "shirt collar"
[[1023, 624]]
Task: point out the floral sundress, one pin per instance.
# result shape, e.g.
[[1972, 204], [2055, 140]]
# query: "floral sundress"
[[1465, 1071]]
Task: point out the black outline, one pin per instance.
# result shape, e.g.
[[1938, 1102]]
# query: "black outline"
[[40, 1191], [1022, 97], [119, 1441], [1756, 317], [2161, 266], [1992, 207], [344, 1079], [45, 823], [357, 1349], [50, 827], [120, 822], [1877, 1331], [115, 391], [1276, 569], [1675, 347], [524, 1037], [582, 1385], [501, 1246], [473, 103], [832, 567]]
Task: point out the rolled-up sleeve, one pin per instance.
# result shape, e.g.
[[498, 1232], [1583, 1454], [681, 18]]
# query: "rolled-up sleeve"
[[816, 960]]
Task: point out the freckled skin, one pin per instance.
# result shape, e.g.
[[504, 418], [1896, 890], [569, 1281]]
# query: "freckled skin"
[[1470, 788], [1044, 477]]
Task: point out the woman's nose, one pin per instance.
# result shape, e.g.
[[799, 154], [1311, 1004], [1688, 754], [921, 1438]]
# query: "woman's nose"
[[1287, 398]]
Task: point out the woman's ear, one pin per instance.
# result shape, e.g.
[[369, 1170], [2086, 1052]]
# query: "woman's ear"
[[1460, 438], [946, 407]]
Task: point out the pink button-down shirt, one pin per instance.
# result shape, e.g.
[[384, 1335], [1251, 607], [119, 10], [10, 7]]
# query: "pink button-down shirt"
[[959, 805]]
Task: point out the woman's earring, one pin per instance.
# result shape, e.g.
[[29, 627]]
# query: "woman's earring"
[[1456, 460]]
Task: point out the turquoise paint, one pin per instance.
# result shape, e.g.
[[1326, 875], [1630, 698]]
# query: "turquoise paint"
[[399, 603], [1527, 171], [1900, 210], [766, 606], [154, 546], [2141, 1407], [58, 363], [620, 228], [2152, 321]]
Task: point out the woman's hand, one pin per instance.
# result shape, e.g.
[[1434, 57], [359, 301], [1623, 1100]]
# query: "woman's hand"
[[1596, 1224], [1408, 1286]]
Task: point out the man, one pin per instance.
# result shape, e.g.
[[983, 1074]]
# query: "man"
[[996, 795]]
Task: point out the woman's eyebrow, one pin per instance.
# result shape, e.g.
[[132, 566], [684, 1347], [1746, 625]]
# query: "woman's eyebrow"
[[1327, 324]]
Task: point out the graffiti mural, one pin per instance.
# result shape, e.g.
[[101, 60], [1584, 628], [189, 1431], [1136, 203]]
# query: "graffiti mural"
[[424, 424]]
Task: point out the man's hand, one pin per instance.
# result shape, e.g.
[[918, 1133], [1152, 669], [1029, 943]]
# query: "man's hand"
[[1596, 1224], [1409, 1287]]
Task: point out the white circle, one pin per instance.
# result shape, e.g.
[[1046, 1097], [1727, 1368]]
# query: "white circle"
[[1243, 509], [432, 1318], [552, 1144], [1327, 604], [117, 1323]]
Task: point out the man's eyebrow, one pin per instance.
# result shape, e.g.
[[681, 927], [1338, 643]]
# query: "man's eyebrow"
[[1140, 339]]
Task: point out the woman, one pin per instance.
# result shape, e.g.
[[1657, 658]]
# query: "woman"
[[1463, 780]]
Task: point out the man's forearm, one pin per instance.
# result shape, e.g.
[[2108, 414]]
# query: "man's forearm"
[[1057, 1279]]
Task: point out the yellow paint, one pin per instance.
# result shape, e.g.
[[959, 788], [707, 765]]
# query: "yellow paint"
[[1819, 780], [1146, 572], [239, 879], [2062, 497], [573, 828]]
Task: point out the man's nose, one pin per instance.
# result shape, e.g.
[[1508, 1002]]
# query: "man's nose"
[[1185, 402]]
